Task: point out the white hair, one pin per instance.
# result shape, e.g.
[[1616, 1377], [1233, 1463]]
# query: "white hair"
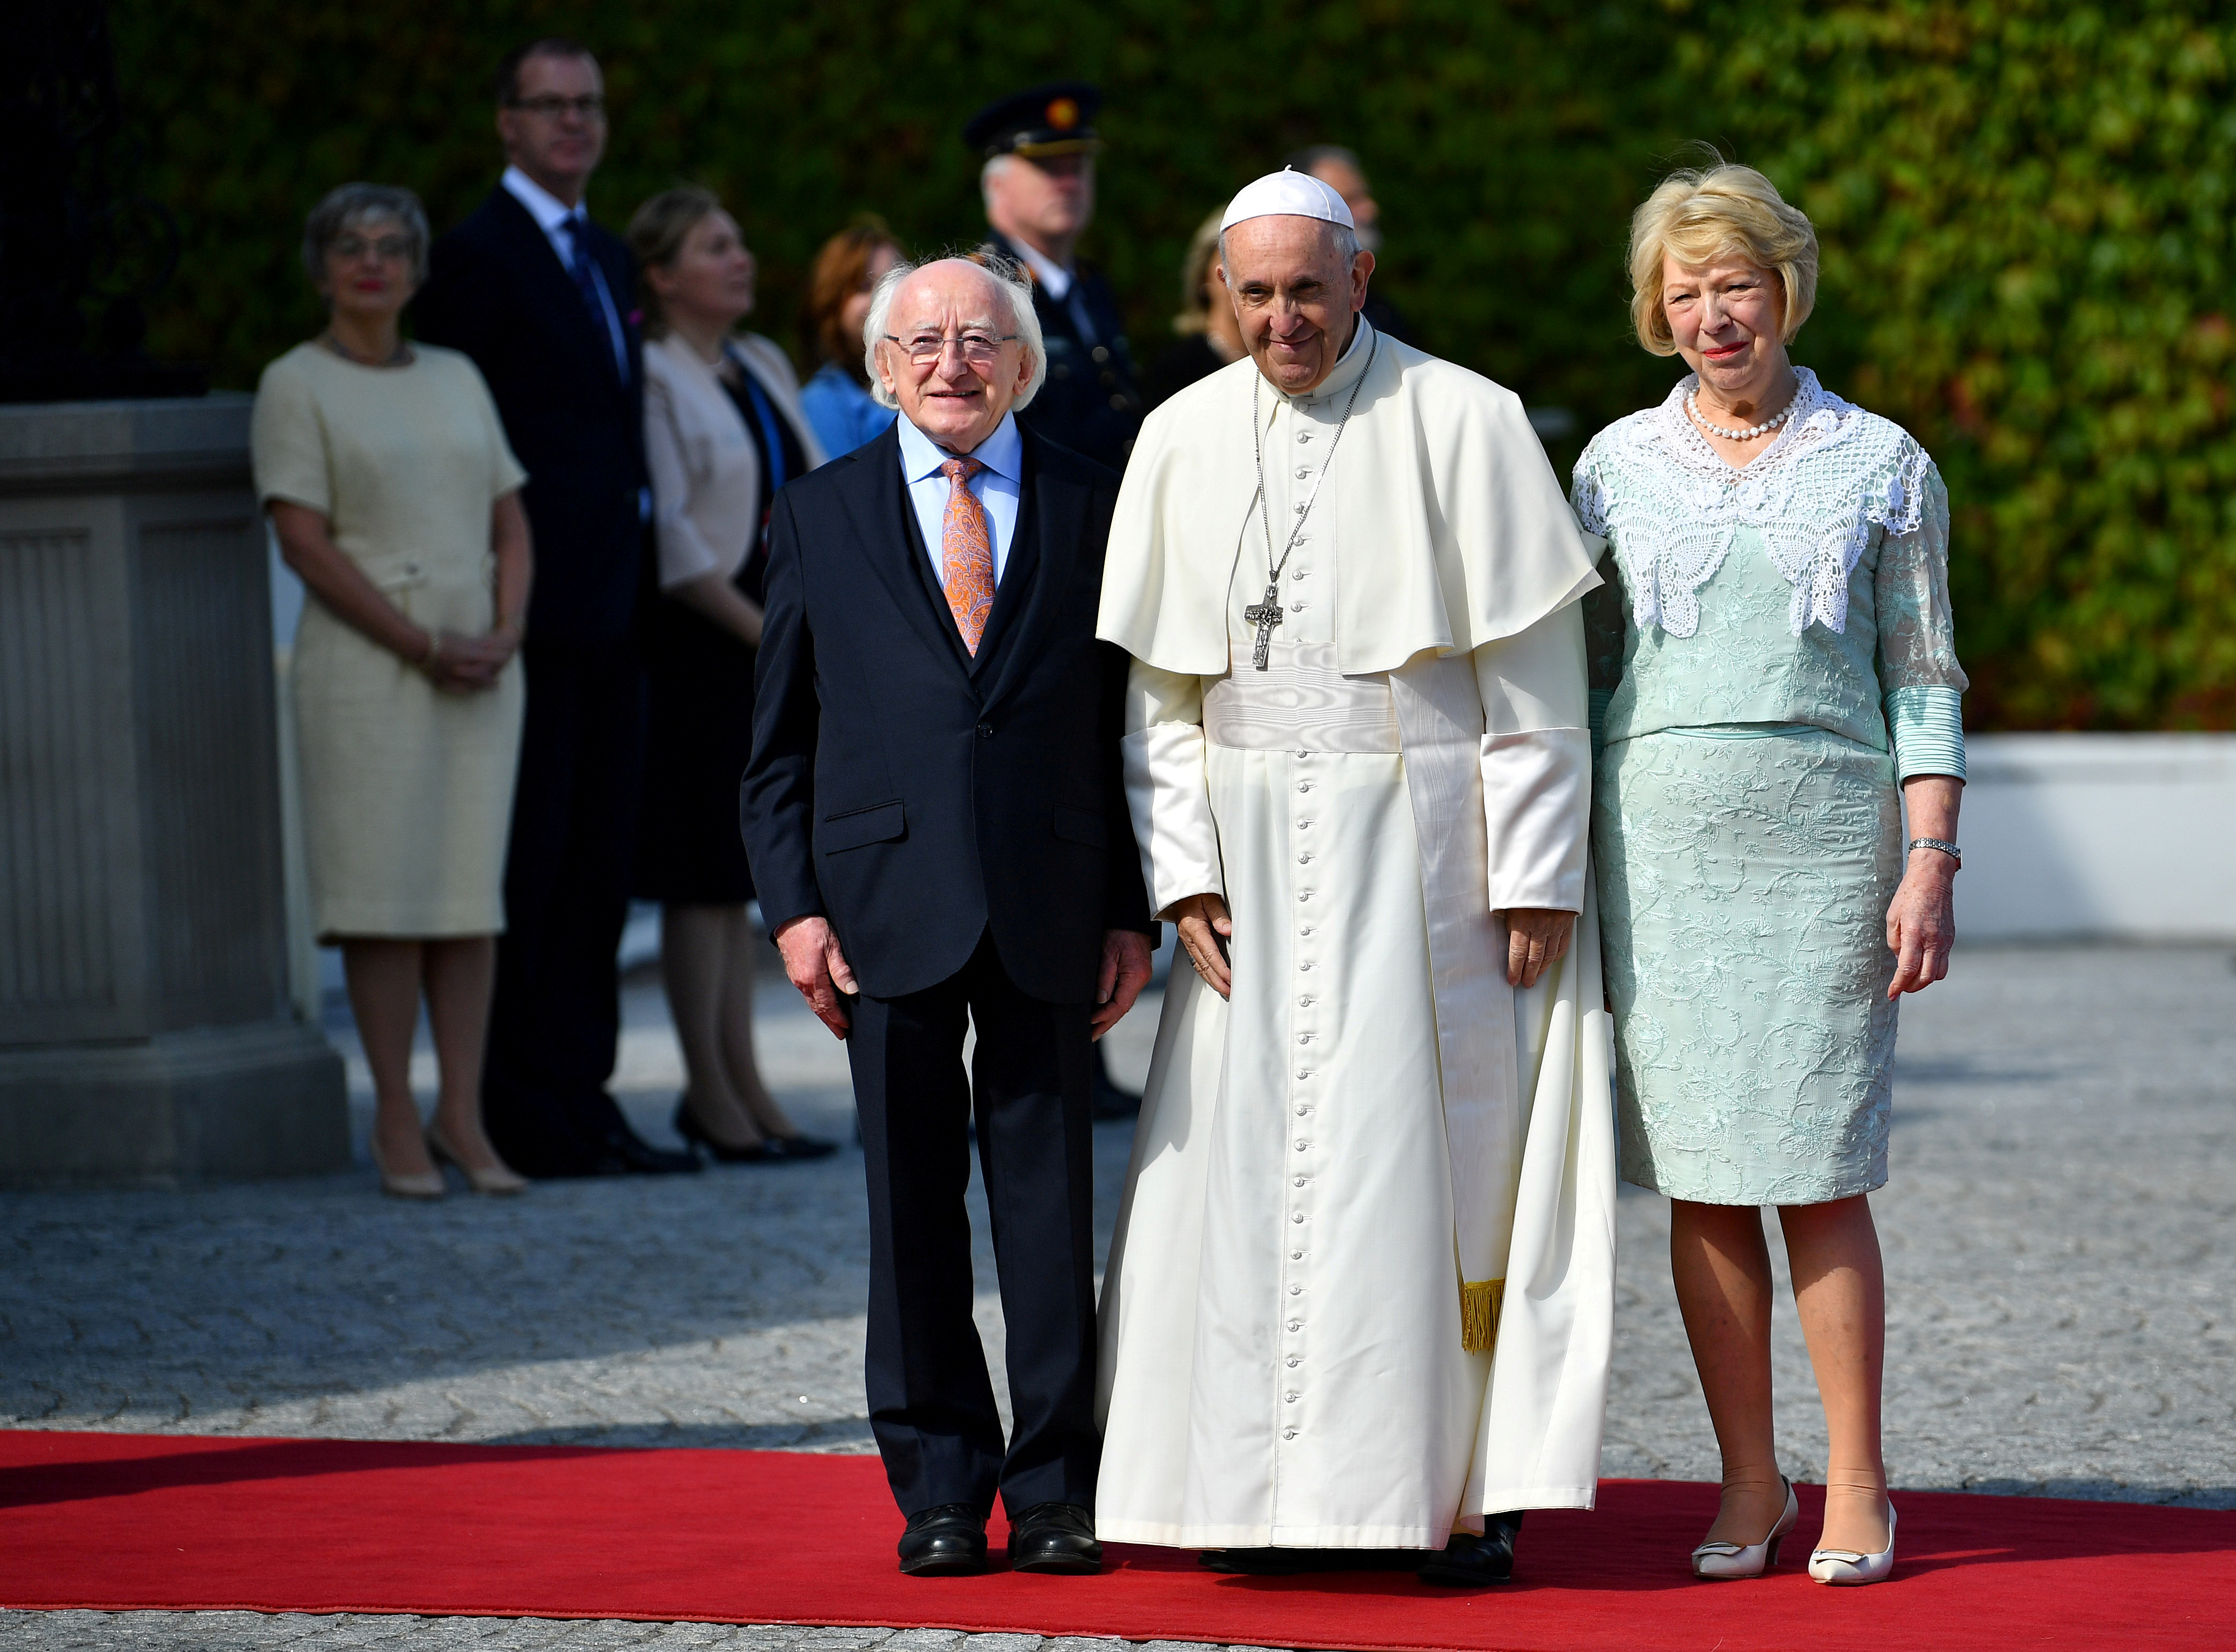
[[994, 167], [1345, 237], [1007, 277]]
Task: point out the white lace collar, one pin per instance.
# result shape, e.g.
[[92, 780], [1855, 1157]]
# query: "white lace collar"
[[1813, 494]]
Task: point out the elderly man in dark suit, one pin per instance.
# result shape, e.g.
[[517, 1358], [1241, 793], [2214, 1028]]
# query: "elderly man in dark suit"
[[938, 831], [544, 300]]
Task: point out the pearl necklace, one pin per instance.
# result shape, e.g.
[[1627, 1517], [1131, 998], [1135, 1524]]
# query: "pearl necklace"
[[1693, 407]]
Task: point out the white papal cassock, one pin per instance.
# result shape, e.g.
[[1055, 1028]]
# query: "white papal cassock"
[[1376, 1121]]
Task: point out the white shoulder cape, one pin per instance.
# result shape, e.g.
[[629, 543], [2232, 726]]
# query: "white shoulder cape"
[[1450, 527]]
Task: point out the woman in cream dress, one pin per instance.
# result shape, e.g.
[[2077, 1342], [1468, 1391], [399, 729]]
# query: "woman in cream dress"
[[1775, 679], [389, 483]]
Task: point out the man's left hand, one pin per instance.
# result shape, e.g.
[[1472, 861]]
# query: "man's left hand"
[[1536, 940], [1125, 972]]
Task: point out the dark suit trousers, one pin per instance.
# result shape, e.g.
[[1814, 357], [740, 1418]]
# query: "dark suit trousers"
[[931, 1405], [556, 1020]]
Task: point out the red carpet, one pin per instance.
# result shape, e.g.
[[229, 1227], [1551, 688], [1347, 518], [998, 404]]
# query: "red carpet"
[[120, 1521]]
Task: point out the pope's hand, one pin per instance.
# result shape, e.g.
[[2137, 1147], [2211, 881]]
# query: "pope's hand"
[[818, 969], [1125, 972], [1536, 940], [1204, 930]]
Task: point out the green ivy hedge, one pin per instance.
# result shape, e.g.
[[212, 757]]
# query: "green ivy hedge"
[[2022, 205]]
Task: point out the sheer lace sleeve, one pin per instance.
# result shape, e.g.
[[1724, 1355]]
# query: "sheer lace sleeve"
[[1918, 673], [1603, 621]]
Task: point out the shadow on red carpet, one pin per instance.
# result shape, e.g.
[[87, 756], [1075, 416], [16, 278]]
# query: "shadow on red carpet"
[[119, 1522]]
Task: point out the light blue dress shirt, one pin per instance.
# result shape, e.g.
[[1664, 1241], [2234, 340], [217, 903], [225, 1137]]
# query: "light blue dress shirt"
[[997, 486]]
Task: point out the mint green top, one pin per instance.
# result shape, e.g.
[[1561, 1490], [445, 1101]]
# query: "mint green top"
[[1809, 588]]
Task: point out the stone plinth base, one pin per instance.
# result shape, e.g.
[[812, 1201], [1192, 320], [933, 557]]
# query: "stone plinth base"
[[146, 1028], [189, 1107]]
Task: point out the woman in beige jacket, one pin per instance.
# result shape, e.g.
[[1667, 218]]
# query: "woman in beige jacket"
[[723, 430]]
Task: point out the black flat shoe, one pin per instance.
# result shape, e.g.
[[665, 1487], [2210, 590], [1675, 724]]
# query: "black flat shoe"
[[802, 1146], [948, 1541], [1469, 1562], [1055, 1537], [720, 1152]]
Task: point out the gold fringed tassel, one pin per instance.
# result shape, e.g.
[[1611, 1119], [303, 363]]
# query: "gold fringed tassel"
[[1479, 1305]]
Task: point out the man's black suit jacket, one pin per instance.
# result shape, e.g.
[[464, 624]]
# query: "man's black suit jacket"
[[913, 794], [1091, 402], [496, 290]]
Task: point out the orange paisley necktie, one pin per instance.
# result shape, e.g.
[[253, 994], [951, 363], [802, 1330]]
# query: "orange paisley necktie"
[[966, 553]]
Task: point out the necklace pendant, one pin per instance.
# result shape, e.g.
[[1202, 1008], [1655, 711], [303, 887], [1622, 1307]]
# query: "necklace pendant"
[[1265, 615]]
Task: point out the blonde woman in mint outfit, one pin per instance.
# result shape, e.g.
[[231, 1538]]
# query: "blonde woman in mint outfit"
[[1774, 678]]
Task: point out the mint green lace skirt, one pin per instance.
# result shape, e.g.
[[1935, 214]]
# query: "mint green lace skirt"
[[1744, 878]]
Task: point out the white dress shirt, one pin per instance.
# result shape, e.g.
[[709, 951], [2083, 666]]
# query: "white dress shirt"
[[1003, 454], [552, 215]]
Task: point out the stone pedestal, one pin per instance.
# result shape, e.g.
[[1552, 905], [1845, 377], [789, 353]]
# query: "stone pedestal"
[[145, 1032]]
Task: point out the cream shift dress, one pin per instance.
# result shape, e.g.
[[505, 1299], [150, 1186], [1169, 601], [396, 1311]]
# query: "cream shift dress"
[[407, 789]]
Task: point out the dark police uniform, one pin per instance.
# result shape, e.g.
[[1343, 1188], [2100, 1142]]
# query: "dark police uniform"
[[1091, 403]]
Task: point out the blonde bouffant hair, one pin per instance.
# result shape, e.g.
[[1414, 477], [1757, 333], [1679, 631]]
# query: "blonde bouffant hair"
[[1702, 214]]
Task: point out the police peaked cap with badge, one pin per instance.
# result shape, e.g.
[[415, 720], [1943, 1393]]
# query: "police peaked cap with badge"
[[1038, 122]]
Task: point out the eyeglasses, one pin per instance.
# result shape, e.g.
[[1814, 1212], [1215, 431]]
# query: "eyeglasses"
[[590, 106], [389, 249], [979, 349]]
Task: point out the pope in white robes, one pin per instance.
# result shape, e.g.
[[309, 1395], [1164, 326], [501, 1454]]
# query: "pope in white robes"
[[1361, 1291]]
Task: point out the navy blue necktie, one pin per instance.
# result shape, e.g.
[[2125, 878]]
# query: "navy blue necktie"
[[586, 283]]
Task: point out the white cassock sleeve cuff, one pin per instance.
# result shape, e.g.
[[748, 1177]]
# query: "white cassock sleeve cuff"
[[1536, 799], [1537, 763], [1166, 794]]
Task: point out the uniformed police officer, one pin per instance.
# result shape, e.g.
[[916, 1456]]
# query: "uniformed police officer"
[[1038, 182]]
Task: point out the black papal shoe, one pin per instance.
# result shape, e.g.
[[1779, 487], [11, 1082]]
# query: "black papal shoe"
[[1469, 1562], [948, 1541], [1055, 1538]]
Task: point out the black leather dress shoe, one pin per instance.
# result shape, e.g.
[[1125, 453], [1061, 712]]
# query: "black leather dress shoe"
[[948, 1541], [1469, 1562], [637, 1156], [1056, 1538], [1296, 1563]]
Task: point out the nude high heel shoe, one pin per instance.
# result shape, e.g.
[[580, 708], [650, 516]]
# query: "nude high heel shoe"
[[1723, 1562], [500, 1179], [1846, 1566], [415, 1184]]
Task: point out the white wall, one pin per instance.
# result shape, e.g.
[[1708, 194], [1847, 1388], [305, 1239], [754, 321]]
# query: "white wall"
[[2131, 836]]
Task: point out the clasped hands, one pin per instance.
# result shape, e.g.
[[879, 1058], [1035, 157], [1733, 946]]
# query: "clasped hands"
[[1536, 940], [817, 965], [469, 664]]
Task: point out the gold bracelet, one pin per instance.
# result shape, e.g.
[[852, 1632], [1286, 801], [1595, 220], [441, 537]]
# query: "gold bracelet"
[[434, 650]]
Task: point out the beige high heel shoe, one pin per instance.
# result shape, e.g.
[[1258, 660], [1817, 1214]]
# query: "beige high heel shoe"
[[1846, 1566], [413, 1184], [1721, 1561], [502, 1180]]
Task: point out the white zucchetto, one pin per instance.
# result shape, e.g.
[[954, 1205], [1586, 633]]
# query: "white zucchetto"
[[1287, 194]]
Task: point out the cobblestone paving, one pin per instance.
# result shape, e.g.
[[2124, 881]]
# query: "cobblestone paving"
[[2057, 1227]]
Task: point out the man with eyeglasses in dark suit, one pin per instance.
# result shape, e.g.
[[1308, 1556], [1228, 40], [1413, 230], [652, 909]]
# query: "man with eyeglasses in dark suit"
[[544, 302]]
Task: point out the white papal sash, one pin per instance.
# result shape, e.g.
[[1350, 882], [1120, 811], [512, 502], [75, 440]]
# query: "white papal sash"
[[1440, 719]]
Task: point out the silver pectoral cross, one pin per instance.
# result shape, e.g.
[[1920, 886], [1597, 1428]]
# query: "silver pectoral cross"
[[1265, 615]]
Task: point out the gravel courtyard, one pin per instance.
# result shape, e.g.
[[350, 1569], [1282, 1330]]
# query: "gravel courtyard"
[[2058, 1229]]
